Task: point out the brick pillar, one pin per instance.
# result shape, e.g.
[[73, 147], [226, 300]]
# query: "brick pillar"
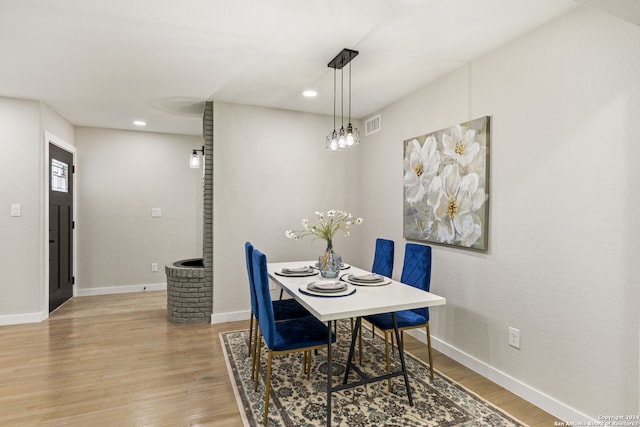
[[207, 132], [189, 299]]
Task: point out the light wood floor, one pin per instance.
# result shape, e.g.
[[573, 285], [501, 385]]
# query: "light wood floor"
[[114, 360]]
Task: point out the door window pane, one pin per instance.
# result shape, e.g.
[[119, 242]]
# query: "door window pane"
[[59, 176]]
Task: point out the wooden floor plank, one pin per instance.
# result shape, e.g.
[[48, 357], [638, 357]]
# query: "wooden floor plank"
[[116, 360]]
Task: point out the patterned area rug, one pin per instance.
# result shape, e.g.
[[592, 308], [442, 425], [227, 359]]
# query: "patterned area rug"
[[296, 401]]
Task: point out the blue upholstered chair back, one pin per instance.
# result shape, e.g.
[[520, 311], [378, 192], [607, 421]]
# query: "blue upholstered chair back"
[[383, 257], [416, 270], [248, 251], [266, 318]]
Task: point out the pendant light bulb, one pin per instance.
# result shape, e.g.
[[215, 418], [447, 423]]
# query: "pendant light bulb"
[[332, 141], [342, 138], [352, 135]]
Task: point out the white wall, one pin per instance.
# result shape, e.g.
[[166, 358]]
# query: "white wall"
[[562, 262], [271, 170], [20, 175], [121, 176], [22, 166]]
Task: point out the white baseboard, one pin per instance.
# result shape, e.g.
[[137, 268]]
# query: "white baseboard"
[[514, 385], [233, 316], [18, 319], [120, 289]]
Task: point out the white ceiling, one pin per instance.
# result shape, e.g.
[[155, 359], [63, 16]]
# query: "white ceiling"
[[106, 63]]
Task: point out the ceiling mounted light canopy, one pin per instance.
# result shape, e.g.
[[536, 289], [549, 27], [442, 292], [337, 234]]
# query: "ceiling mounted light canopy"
[[343, 138]]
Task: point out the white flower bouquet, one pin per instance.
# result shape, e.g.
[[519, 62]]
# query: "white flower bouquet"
[[327, 225]]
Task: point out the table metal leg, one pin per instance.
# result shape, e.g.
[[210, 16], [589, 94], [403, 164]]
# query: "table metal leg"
[[329, 374], [354, 335], [401, 353]]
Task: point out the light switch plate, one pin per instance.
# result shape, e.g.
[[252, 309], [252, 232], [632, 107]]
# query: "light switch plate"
[[15, 210], [156, 212], [514, 337]]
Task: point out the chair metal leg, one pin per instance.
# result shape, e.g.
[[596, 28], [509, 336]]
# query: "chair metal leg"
[[257, 336], [249, 344], [256, 361], [306, 363], [267, 388], [429, 348]]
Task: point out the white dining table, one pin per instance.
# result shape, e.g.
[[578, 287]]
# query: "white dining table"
[[366, 300]]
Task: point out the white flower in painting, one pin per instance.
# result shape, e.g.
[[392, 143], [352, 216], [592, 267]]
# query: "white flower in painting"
[[461, 145], [421, 164], [455, 200]]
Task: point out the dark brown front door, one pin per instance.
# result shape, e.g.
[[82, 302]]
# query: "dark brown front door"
[[60, 226]]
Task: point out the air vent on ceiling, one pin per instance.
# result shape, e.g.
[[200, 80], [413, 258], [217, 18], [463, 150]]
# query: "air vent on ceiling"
[[372, 125]]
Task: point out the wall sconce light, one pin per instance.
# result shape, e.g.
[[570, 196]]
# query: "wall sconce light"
[[194, 160]]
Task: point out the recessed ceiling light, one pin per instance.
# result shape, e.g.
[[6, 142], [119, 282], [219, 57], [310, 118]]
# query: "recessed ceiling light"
[[139, 123], [309, 93]]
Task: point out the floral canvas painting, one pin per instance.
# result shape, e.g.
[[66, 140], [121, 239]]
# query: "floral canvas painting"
[[446, 181]]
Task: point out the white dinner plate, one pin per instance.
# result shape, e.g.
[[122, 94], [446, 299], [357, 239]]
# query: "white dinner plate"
[[327, 286], [385, 281], [297, 272], [366, 278], [348, 291]]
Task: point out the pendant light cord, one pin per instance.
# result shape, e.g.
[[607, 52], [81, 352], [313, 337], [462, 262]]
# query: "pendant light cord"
[[334, 99], [342, 96], [349, 92]]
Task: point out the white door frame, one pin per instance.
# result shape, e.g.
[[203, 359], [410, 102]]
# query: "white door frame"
[[51, 138]]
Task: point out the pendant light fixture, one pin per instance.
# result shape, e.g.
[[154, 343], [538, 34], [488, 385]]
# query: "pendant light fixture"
[[343, 138]]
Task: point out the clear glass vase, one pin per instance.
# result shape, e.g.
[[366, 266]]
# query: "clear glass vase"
[[329, 263]]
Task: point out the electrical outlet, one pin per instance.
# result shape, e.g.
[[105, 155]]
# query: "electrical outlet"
[[154, 266], [15, 210], [514, 337]]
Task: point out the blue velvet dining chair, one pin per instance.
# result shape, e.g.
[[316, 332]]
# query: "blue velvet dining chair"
[[288, 336], [283, 309], [416, 272], [383, 257]]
